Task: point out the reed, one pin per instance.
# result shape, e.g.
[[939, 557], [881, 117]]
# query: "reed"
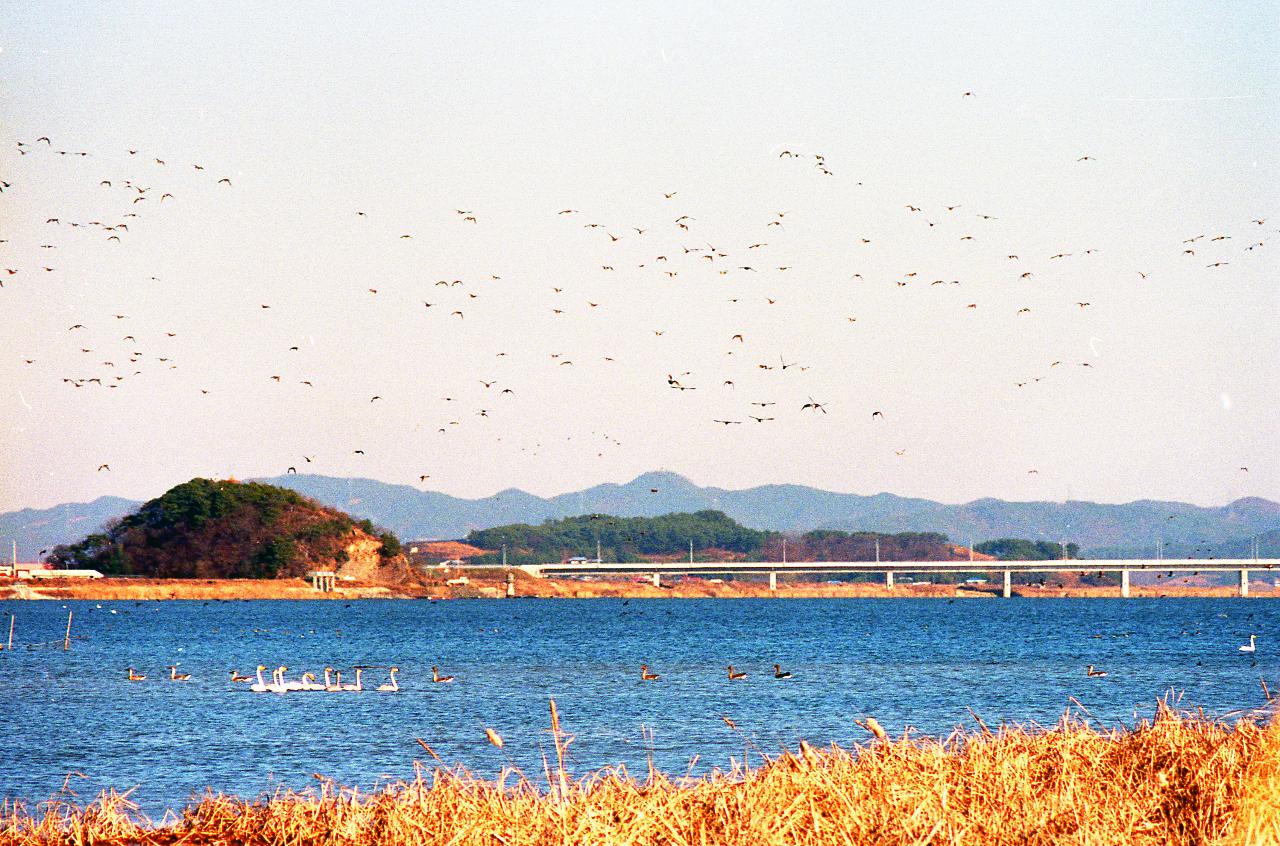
[[1178, 778]]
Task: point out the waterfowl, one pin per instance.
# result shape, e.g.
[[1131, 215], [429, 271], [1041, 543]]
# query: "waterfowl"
[[645, 675], [357, 687], [779, 673], [391, 686], [734, 676], [1094, 674], [1252, 645], [309, 682], [329, 686], [436, 677], [174, 675], [260, 686], [236, 677], [135, 677]]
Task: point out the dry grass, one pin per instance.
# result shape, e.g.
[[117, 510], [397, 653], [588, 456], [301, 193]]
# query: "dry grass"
[[1179, 779]]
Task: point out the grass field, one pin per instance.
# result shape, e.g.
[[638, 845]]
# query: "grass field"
[[1176, 779]]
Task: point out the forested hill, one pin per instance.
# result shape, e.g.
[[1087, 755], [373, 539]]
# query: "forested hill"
[[711, 533], [228, 529]]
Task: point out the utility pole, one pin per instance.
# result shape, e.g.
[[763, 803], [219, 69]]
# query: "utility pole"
[[877, 550], [504, 555], [784, 549], [690, 552], [598, 559]]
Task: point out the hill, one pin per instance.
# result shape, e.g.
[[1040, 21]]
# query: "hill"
[[708, 533], [797, 508], [229, 530], [1130, 528], [37, 529]]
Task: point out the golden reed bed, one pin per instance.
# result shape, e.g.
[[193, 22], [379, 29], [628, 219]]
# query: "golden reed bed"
[[1178, 779]]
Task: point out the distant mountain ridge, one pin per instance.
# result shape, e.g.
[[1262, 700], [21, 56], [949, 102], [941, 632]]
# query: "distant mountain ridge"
[[418, 515]]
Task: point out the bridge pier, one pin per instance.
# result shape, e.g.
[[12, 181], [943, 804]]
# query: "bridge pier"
[[888, 579], [657, 580], [1124, 583], [511, 585], [1008, 584], [1244, 582], [773, 580]]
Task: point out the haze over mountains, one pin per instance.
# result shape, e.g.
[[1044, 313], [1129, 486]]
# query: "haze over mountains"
[[1125, 530]]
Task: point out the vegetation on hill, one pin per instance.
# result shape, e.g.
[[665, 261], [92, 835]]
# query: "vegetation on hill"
[[620, 538], [225, 529], [712, 533], [1018, 549]]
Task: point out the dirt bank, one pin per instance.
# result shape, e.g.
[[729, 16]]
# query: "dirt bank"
[[482, 584]]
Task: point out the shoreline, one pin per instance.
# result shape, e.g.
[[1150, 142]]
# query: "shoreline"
[[484, 584]]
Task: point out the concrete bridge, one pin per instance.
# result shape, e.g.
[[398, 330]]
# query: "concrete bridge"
[[889, 569]]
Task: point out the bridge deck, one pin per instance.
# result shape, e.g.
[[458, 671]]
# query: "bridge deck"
[[677, 568]]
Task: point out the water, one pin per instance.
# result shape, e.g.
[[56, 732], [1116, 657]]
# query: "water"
[[920, 663]]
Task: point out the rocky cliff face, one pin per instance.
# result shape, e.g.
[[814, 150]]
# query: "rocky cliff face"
[[363, 563]]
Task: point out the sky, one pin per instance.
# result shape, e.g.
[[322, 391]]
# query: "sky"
[[471, 126]]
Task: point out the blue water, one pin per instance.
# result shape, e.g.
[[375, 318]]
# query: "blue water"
[[920, 663]]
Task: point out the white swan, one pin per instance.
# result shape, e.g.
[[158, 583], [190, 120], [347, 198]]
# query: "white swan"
[[286, 685], [392, 686], [309, 682], [328, 683], [354, 688], [260, 686], [1252, 646]]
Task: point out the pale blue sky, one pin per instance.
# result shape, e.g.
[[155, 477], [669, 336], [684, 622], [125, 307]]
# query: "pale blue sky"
[[516, 112]]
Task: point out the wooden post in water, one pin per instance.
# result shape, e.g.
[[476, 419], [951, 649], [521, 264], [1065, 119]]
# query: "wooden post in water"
[[11, 619], [66, 641]]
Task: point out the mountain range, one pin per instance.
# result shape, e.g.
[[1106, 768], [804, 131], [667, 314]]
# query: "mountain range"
[[1122, 530]]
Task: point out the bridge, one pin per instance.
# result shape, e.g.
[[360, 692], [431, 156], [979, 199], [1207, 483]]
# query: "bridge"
[[890, 569]]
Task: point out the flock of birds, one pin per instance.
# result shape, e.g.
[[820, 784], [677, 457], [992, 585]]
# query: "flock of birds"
[[280, 683], [332, 683], [753, 386]]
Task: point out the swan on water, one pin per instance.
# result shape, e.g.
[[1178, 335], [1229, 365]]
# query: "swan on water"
[[284, 685], [645, 675], [174, 675], [392, 686], [354, 688], [1252, 645], [436, 677], [135, 677], [1094, 674], [735, 676], [260, 686]]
